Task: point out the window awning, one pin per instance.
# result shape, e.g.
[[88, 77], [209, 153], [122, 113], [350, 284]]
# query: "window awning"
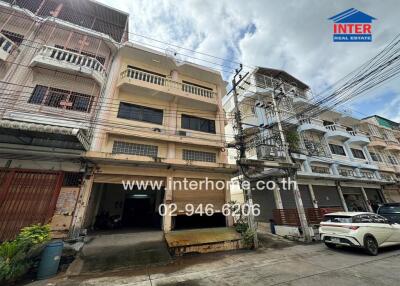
[[45, 135]]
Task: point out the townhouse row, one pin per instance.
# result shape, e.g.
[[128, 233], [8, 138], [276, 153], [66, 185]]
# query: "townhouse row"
[[82, 110], [342, 163]]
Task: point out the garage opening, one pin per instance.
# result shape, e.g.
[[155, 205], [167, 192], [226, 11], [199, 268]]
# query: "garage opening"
[[114, 208], [199, 221]]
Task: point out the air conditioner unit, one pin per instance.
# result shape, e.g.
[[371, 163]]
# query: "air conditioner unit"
[[182, 133]]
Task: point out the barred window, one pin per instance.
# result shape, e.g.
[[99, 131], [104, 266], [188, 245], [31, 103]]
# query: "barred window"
[[140, 113], [193, 155], [120, 147], [376, 157], [60, 98], [337, 149], [359, 154], [198, 124]]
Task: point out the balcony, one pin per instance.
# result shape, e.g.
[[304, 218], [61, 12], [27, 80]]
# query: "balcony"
[[7, 46], [393, 145], [358, 137], [377, 142], [70, 62], [311, 124], [338, 132], [146, 83]]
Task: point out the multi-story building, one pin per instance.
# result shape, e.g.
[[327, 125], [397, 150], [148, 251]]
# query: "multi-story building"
[[385, 152], [162, 123], [331, 151], [55, 58]]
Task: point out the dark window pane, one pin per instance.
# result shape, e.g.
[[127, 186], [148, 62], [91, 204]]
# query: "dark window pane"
[[337, 149], [141, 113], [357, 153], [198, 124], [80, 102], [38, 94]]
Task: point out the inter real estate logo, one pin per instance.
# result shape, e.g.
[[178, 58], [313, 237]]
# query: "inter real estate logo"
[[352, 25]]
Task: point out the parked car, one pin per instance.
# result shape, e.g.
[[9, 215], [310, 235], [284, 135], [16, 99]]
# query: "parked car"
[[391, 211], [359, 229]]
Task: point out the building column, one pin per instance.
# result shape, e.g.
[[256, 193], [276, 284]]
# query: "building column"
[[307, 166], [348, 151], [167, 219], [334, 168], [366, 152], [314, 201], [277, 197], [339, 189], [364, 194], [81, 206]]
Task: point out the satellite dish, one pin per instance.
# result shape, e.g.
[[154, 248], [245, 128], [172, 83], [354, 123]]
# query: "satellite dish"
[[174, 55]]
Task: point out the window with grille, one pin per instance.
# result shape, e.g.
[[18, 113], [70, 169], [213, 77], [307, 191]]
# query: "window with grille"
[[374, 130], [376, 157], [359, 154], [59, 98], [337, 149], [120, 147], [16, 38], [140, 113], [392, 159], [192, 155], [198, 124]]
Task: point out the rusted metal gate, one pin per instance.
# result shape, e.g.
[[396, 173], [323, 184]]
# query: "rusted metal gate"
[[26, 197]]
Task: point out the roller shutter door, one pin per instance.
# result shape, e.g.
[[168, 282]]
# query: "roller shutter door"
[[201, 195], [327, 196], [26, 197], [288, 198], [266, 200]]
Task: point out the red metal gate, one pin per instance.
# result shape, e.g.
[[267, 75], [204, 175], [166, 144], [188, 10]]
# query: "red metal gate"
[[26, 197]]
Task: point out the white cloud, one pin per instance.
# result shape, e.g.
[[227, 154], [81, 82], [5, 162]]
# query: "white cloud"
[[291, 35]]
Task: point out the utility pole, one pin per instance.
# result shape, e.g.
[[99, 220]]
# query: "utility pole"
[[291, 171], [241, 146]]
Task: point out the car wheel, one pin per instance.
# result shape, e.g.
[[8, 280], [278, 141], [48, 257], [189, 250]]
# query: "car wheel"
[[330, 245], [370, 245]]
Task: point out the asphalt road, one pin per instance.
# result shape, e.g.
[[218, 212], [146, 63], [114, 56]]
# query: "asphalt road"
[[291, 264]]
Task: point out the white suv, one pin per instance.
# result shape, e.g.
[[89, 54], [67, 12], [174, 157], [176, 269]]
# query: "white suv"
[[359, 229]]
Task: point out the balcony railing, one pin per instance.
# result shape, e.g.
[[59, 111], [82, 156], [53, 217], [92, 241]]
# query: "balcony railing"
[[346, 173], [7, 46], [163, 81], [264, 81], [74, 60], [291, 216], [335, 127], [320, 170]]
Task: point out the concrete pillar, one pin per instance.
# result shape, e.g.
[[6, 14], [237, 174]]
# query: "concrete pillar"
[[357, 172], [378, 175], [302, 213], [364, 194], [81, 206], [278, 198], [366, 152], [348, 151], [339, 189], [334, 168], [167, 219], [307, 166], [312, 195]]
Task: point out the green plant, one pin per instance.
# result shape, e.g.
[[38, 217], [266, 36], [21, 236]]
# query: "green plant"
[[292, 138], [18, 256], [248, 238], [35, 234]]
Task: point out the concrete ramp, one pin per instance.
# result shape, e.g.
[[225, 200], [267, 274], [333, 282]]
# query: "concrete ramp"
[[108, 252], [203, 240]]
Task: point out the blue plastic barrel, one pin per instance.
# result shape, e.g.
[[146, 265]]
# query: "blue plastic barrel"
[[50, 259]]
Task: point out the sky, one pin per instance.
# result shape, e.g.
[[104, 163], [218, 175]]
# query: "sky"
[[293, 35]]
